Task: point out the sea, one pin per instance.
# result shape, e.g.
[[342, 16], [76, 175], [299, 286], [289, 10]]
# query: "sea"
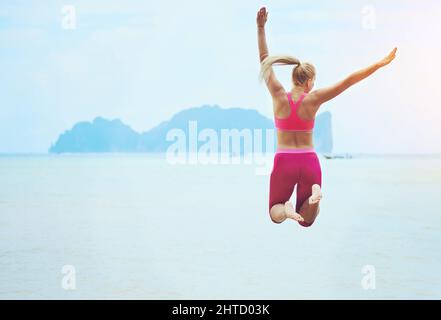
[[139, 226]]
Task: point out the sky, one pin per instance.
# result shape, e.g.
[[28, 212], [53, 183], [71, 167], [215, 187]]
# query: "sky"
[[144, 61]]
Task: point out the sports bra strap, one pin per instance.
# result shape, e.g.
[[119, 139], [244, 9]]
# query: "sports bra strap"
[[291, 101], [294, 122]]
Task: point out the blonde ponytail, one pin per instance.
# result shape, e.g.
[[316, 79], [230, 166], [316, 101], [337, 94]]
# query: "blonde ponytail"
[[300, 74]]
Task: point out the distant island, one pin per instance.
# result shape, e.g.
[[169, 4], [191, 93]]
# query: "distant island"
[[193, 128]]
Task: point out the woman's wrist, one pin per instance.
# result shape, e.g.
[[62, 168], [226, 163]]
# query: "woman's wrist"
[[379, 64]]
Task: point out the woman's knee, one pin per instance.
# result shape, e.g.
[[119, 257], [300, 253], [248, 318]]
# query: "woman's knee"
[[306, 224], [276, 222], [273, 213]]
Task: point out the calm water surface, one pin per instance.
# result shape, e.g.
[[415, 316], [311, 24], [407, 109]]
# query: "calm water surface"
[[135, 226]]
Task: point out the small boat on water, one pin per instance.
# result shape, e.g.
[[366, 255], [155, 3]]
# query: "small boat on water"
[[337, 155]]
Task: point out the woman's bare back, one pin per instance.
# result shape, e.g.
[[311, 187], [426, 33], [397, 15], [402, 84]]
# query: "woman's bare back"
[[305, 111]]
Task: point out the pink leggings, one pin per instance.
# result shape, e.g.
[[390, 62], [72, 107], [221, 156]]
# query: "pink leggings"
[[292, 167]]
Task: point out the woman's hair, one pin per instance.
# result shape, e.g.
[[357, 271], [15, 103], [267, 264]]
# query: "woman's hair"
[[300, 74]]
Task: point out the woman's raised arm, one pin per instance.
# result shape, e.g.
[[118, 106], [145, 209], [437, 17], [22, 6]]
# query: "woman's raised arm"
[[322, 95], [274, 86], [261, 38]]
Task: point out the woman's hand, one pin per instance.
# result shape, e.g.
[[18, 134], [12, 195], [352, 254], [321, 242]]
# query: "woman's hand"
[[388, 59], [261, 17]]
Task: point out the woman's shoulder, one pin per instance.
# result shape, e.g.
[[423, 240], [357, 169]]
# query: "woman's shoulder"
[[281, 103], [308, 107]]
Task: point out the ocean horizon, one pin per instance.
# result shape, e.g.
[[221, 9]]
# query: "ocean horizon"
[[153, 153]]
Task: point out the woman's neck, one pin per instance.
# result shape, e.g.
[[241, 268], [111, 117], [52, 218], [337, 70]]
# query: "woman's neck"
[[297, 90]]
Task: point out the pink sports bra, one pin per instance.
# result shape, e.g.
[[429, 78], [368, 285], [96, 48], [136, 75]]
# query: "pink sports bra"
[[294, 122]]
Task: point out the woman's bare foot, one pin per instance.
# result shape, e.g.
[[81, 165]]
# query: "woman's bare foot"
[[291, 212], [316, 194]]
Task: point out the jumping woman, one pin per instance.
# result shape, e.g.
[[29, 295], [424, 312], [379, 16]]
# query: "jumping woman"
[[295, 160]]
